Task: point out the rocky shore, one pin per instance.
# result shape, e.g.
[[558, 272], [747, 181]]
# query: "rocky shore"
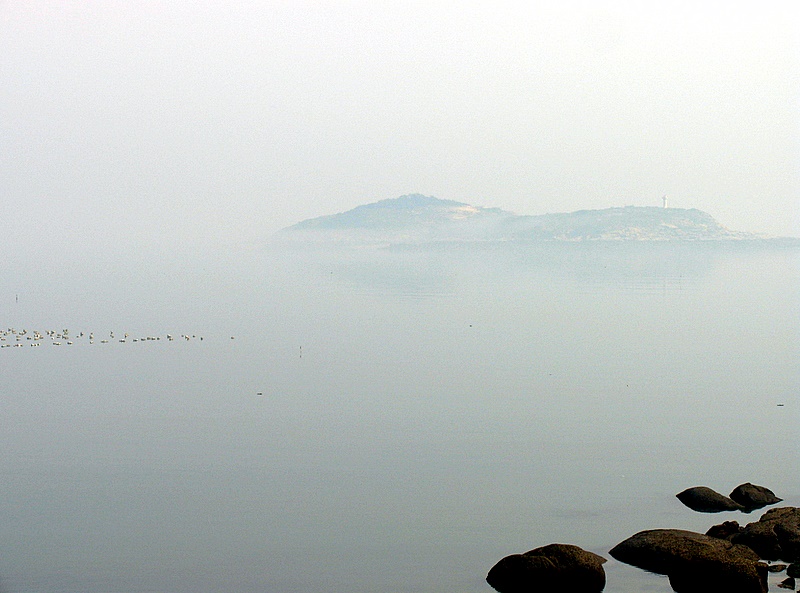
[[728, 557]]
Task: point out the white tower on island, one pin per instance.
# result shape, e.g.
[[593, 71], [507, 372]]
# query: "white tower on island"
[[664, 199]]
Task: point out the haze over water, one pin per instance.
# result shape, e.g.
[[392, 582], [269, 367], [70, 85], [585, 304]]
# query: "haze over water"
[[386, 420], [382, 420]]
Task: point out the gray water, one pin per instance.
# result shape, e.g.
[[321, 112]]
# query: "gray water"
[[384, 419]]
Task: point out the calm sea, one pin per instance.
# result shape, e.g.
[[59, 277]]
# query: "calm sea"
[[392, 420]]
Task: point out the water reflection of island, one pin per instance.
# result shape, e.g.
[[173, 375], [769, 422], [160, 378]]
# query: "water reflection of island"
[[438, 269]]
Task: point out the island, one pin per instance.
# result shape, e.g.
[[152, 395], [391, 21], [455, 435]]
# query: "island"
[[416, 218]]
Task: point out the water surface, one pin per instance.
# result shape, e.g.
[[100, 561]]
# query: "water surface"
[[385, 419]]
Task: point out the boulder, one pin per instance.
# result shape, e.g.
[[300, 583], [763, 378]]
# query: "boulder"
[[753, 497], [793, 570], [694, 562], [549, 568], [706, 500], [775, 536], [787, 583]]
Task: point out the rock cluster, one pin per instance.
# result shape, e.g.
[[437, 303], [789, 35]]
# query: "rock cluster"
[[775, 536], [745, 497], [728, 557]]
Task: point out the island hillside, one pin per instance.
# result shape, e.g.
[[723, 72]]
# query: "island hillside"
[[416, 218]]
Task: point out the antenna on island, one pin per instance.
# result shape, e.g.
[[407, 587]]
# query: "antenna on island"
[[664, 199]]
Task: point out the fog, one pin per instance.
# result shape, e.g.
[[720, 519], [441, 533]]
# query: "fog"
[[395, 418], [155, 126]]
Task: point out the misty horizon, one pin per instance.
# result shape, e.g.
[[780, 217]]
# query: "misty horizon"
[[209, 410], [156, 127]]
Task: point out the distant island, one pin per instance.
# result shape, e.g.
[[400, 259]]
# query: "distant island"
[[417, 218]]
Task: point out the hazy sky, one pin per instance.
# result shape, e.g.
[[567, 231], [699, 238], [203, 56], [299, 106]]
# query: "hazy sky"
[[207, 123]]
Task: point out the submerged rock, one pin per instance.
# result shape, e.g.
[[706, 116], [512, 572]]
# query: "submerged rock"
[[694, 562], [706, 500], [547, 569], [753, 497]]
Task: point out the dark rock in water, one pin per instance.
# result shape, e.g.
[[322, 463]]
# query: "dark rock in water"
[[660, 550], [547, 569], [753, 497], [706, 500], [787, 583], [775, 536], [694, 562], [760, 537], [719, 577], [724, 530], [776, 567], [788, 533], [518, 573], [793, 570]]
